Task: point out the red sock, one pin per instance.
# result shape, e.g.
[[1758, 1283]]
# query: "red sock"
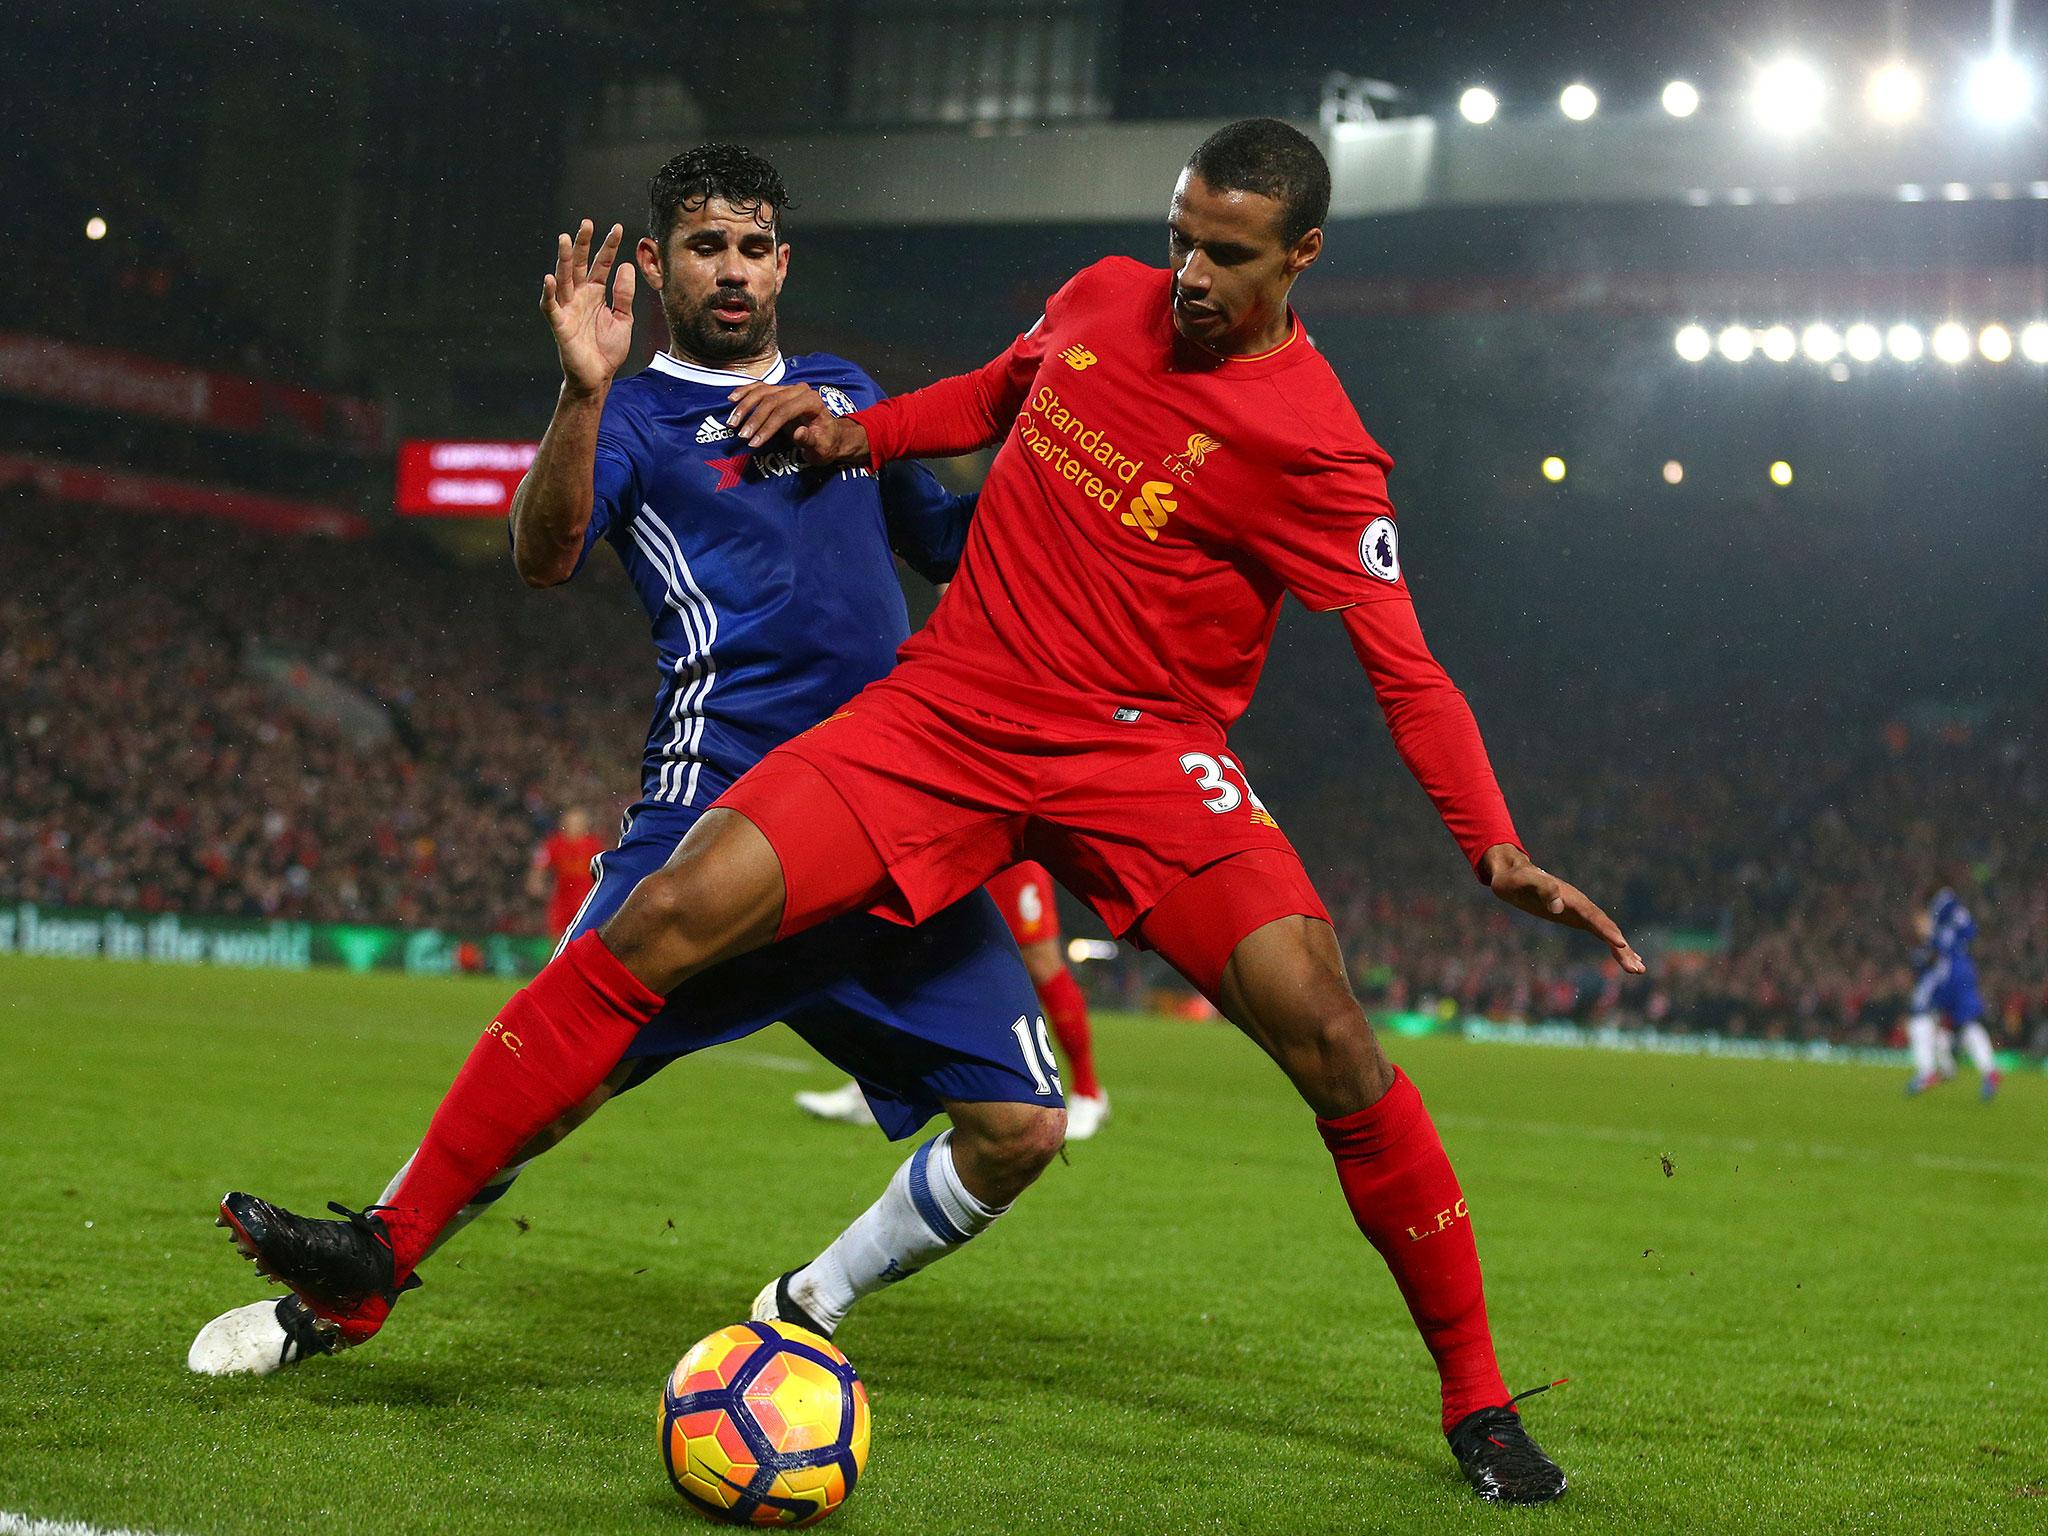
[[1406, 1200], [547, 1049], [1066, 1010]]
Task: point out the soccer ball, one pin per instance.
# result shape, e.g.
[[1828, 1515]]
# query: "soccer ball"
[[764, 1424]]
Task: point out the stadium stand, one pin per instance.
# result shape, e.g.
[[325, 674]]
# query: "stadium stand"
[[160, 764]]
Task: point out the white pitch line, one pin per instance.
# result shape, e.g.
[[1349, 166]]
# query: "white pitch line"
[[765, 1059], [12, 1524], [1818, 1151]]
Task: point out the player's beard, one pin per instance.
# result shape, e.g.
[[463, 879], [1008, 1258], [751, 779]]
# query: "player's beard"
[[702, 334]]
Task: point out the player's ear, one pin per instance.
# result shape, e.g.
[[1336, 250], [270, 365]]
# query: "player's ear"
[[1303, 252], [781, 264], [647, 257]]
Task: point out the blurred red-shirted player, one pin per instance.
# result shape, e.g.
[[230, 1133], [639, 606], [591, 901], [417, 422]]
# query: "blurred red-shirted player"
[[1025, 894], [561, 868]]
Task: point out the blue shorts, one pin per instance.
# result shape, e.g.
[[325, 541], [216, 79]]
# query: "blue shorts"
[[916, 1015]]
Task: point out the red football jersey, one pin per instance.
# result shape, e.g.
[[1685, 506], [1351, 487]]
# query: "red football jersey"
[[567, 859], [1151, 504]]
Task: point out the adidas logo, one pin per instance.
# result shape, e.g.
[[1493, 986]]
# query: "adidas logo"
[[712, 430]]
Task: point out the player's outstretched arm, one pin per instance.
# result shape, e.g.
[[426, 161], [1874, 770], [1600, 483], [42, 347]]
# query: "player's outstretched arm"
[[1438, 739], [593, 335]]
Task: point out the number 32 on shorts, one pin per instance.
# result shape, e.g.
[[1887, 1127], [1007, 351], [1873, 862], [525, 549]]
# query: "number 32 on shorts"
[[1224, 796]]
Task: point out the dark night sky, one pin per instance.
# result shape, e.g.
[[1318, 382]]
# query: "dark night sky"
[[1529, 49]]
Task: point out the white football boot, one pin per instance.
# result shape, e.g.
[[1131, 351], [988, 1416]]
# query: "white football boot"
[[1086, 1114], [846, 1104], [255, 1340]]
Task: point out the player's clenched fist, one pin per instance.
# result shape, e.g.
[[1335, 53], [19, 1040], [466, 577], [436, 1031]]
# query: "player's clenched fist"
[[762, 412], [592, 334]]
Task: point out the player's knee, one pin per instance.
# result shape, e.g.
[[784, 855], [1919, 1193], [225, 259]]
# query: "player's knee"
[[1007, 1148], [1338, 1063]]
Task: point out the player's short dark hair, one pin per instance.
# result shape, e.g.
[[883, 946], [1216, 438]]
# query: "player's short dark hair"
[[1273, 159], [694, 177]]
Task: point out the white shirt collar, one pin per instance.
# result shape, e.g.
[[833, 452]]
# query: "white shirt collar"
[[668, 363]]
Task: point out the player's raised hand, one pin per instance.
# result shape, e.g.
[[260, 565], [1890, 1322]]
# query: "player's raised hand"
[[761, 412], [592, 333], [1518, 882]]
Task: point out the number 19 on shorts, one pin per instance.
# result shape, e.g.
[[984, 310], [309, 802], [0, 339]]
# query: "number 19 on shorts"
[[1038, 1057]]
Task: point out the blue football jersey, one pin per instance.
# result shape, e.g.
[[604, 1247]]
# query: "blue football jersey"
[[769, 586]]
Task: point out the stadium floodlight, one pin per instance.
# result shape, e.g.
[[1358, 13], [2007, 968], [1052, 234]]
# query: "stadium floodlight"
[[1736, 343], [1781, 472], [1674, 472], [1788, 95], [1681, 98], [1995, 342], [1821, 342], [1905, 343], [1998, 90], [1577, 101], [1864, 342], [2034, 343], [1553, 469], [1694, 343], [1895, 93], [1951, 343], [1478, 105], [95, 228], [1778, 343]]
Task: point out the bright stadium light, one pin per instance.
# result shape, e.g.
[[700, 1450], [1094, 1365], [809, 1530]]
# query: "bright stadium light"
[[1864, 342], [1577, 101], [1998, 90], [2034, 343], [95, 228], [1778, 343], [1904, 343], [1674, 472], [1478, 105], [1951, 343], [1781, 472], [1694, 343], [1894, 93], [1553, 469], [1821, 342], [1681, 98], [1736, 343], [1995, 342], [1788, 96]]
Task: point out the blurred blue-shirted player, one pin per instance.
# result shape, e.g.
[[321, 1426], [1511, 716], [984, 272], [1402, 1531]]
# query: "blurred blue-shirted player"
[[772, 594], [1945, 996]]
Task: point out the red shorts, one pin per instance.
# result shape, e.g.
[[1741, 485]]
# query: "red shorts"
[[1024, 894], [902, 803]]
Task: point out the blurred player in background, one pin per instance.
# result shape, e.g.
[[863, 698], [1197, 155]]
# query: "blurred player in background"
[[563, 869], [1176, 456], [1945, 995], [1024, 894], [773, 597]]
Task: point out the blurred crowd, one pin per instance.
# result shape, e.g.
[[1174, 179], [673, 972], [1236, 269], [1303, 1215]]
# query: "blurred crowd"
[[162, 749], [1773, 891], [146, 763]]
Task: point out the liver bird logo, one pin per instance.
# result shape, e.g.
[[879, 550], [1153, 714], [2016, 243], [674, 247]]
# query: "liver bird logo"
[[1189, 459]]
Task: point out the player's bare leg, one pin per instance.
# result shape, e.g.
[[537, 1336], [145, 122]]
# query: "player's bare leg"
[[947, 1193], [1285, 986]]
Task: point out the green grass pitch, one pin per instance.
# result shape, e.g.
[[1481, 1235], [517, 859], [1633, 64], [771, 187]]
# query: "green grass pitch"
[[1827, 1316]]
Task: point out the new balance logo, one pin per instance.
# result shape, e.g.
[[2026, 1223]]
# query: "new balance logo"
[[1150, 508], [712, 430], [1078, 357]]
